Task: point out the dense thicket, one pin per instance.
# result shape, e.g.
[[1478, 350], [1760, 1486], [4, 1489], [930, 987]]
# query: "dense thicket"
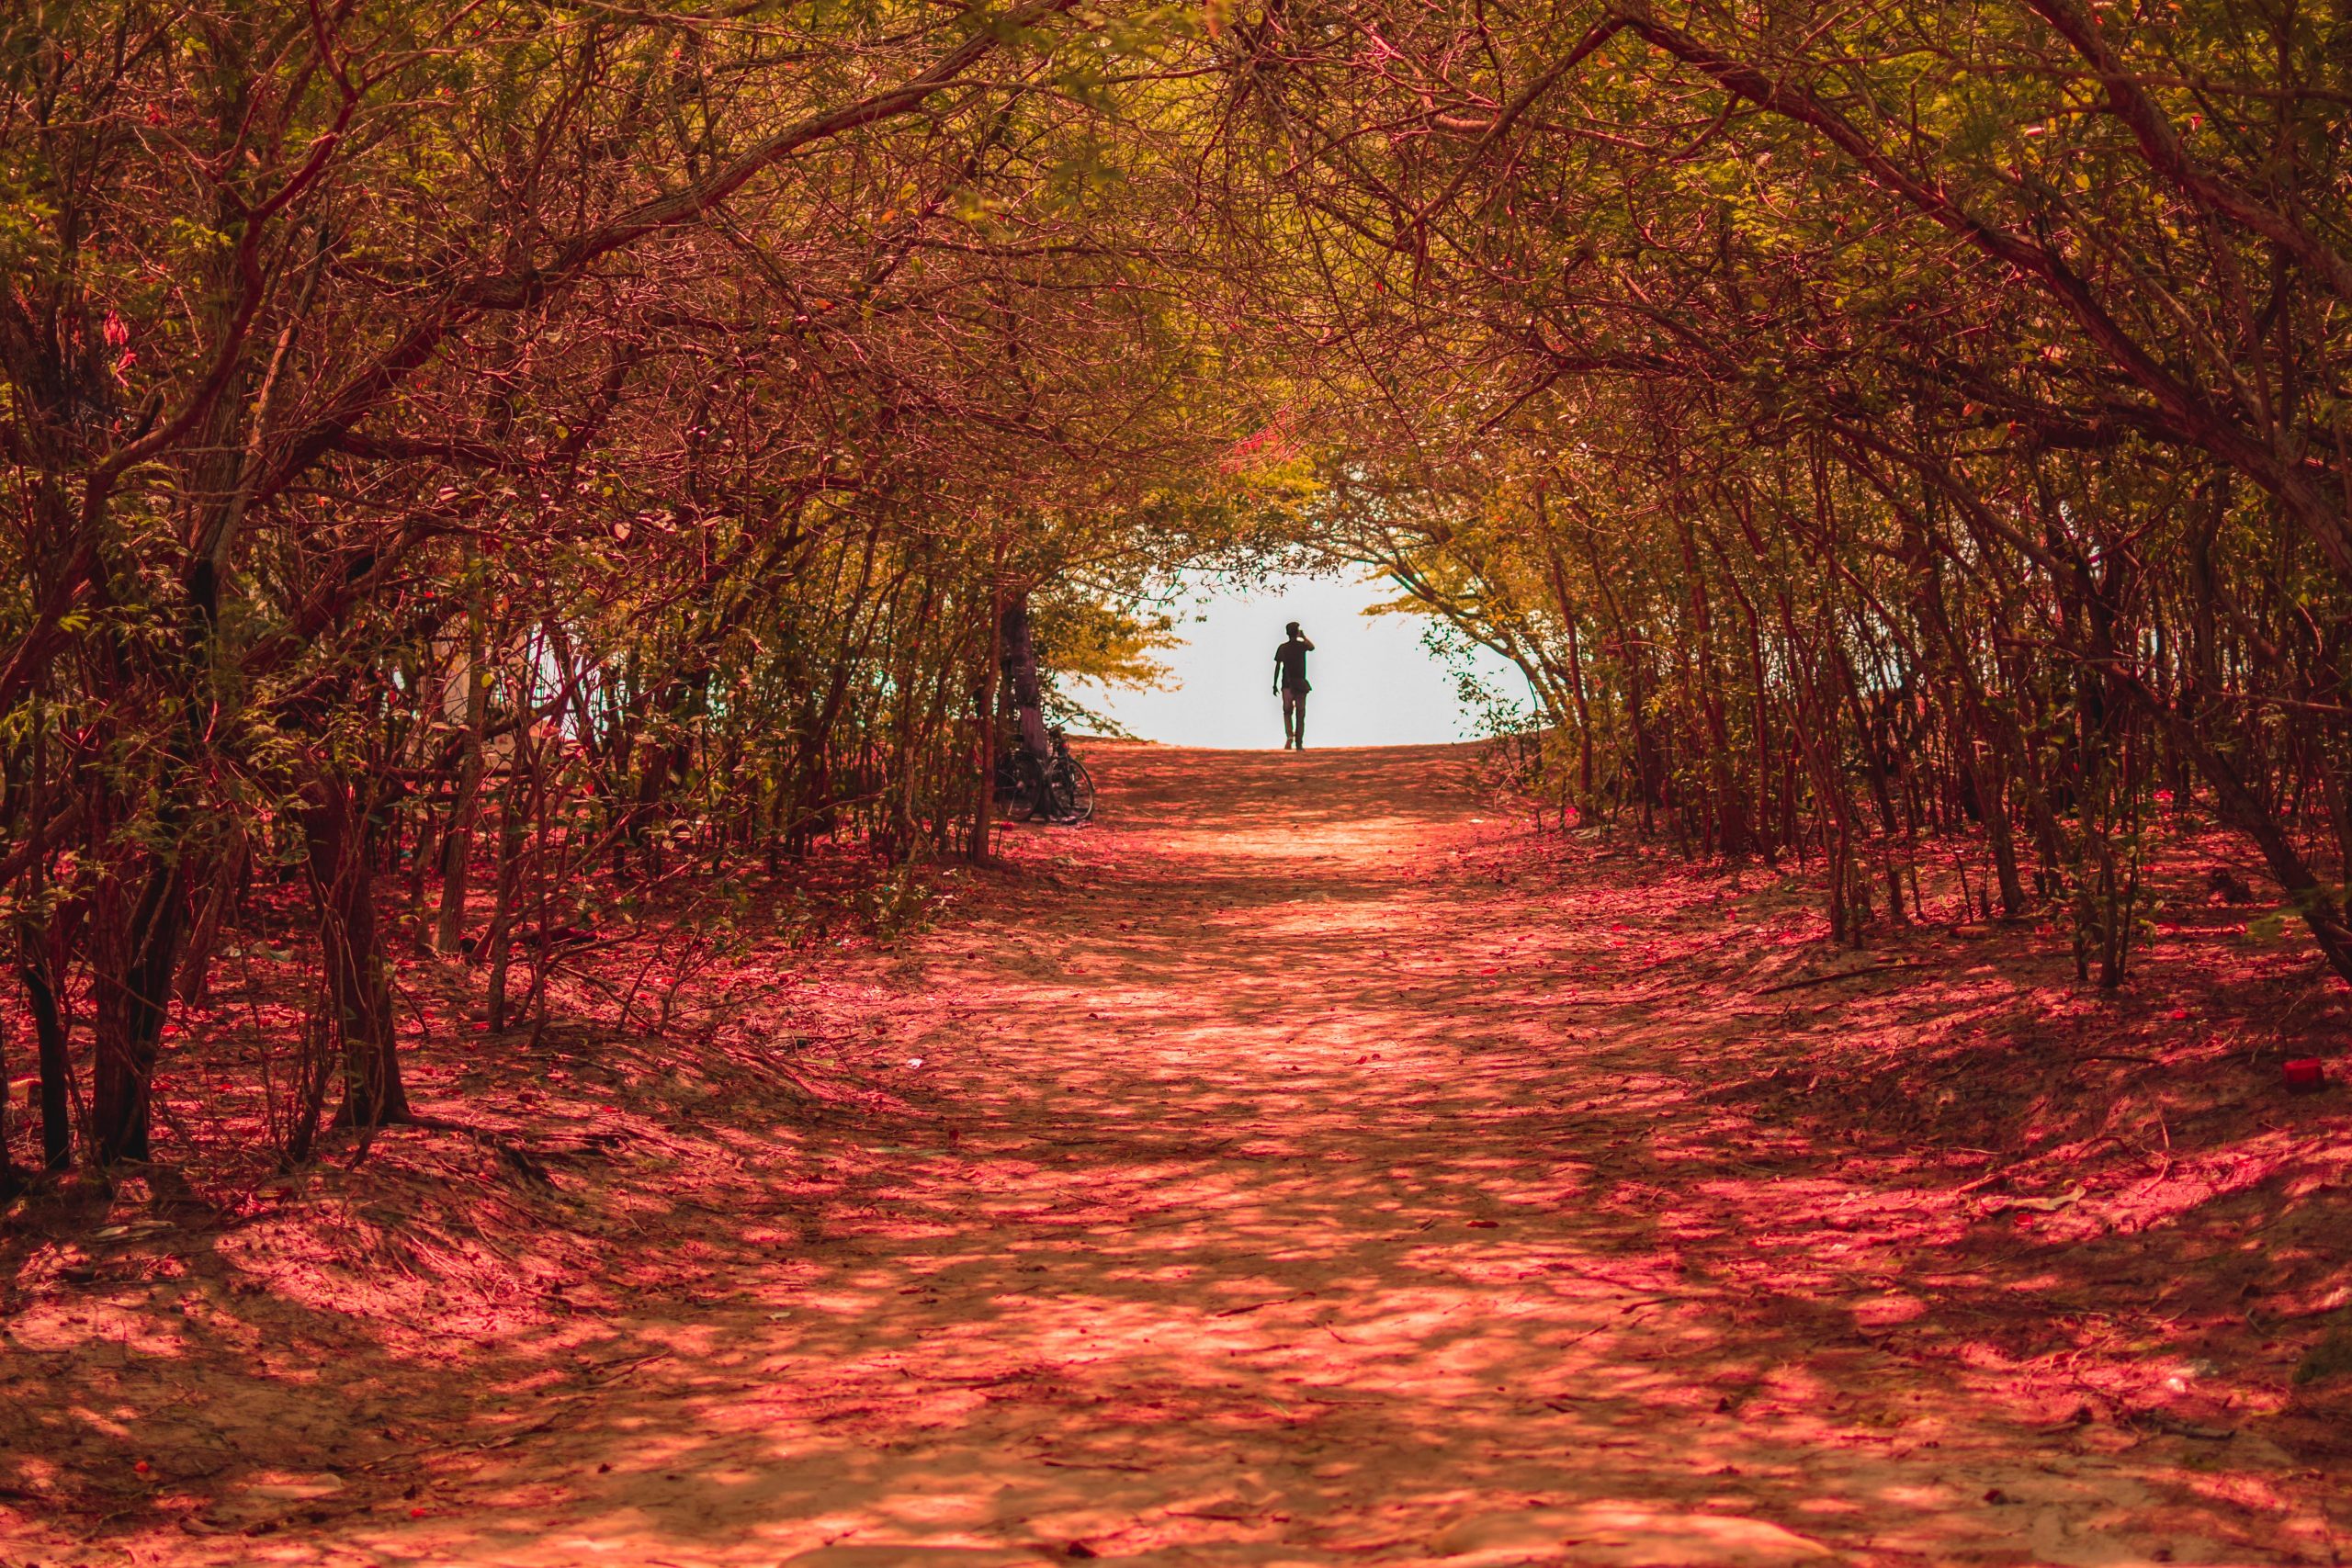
[[449, 450], [481, 446], [1861, 425]]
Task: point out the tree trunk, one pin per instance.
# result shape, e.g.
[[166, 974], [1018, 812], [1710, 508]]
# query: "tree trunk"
[[10, 1182], [498, 944], [984, 808], [1989, 783], [356, 985], [1565, 602], [37, 969], [133, 953], [458, 844], [1028, 689]]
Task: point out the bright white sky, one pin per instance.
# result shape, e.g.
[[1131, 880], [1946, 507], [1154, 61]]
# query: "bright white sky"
[[1376, 682]]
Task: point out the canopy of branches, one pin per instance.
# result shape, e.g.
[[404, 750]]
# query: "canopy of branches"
[[635, 423]]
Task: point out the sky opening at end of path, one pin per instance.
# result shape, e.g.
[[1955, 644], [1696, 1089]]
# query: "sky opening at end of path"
[[1378, 680]]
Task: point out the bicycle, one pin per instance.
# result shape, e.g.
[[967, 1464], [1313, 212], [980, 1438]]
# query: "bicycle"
[[1057, 789]]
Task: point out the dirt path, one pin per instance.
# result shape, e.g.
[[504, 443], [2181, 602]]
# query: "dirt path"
[[1276, 1186]]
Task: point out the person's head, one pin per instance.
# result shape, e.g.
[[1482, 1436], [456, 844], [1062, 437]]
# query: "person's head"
[[1292, 630]]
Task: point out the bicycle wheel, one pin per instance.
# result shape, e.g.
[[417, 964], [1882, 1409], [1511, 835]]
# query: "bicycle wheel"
[[1034, 794], [1080, 786]]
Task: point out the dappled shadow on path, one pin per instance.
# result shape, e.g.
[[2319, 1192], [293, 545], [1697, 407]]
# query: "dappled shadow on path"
[[1284, 1190], [1270, 1179]]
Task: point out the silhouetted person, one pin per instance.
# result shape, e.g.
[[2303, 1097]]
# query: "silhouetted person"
[[1290, 679]]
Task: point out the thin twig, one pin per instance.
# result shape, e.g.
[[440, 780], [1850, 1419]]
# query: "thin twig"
[[1842, 974]]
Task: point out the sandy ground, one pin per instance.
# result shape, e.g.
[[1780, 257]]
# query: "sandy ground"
[[1280, 1172]]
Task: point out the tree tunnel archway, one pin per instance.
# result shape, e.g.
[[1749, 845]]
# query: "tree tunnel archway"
[[1932, 423]]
